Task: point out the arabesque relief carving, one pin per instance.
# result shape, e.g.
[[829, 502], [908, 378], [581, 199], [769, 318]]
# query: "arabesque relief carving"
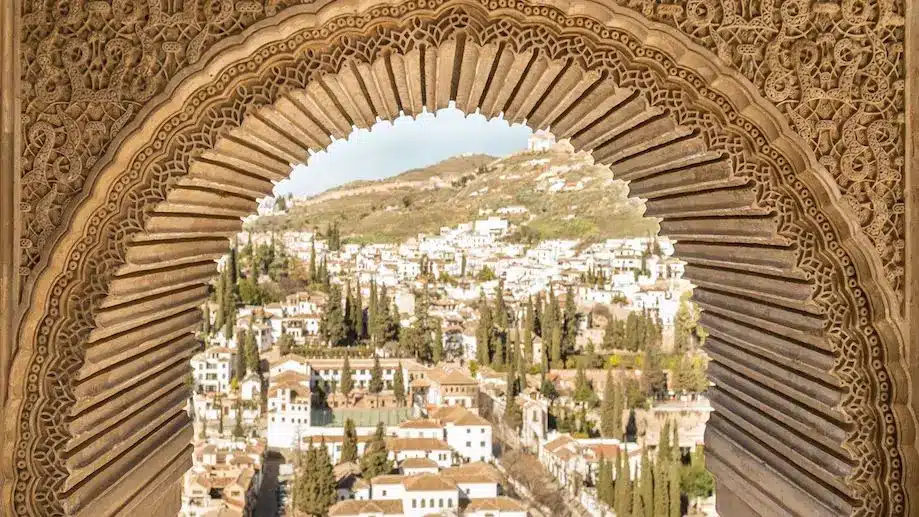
[[91, 71], [835, 69]]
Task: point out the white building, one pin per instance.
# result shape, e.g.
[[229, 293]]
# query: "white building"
[[213, 370], [434, 449], [466, 432], [289, 407]]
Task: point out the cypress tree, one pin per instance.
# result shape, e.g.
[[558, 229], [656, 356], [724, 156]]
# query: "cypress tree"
[[674, 482], [664, 450], [521, 367], [647, 485], [556, 340], [233, 268], [513, 416], [398, 385], [219, 418], [206, 320], [511, 377], [319, 486], [251, 351], [239, 368], [372, 313], [624, 503], [284, 343], [682, 328], [220, 318], [676, 454], [529, 327], [437, 352], [347, 383], [348, 316], [422, 346], [570, 329], [619, 497], [304, 463], [583, 391], [497, 361], [375, 462], [654, 380], [638, 508], [349, 444], [661, 506], [376, 376], [631, 428], [332, 325], [610, 410], [484, 331], [313, 271], [230, 311], [604, 481], [202, 435], [360, 325], [238, 428], [501, 317]]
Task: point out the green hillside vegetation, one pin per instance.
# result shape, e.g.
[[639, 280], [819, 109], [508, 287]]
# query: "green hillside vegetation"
[[456, 190]]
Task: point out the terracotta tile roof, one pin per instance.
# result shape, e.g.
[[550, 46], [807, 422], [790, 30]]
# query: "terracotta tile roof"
[[289, 376], [451, 376], [558, 443], [500, 503], [342, 470], [416, 444], [296, 387], [428, 483], [420, 383], [420, 423], [418, 463], [358, 507], [458, 415], [477, 472], [564, 454], [289, 357], [604, 450], [387, 479]]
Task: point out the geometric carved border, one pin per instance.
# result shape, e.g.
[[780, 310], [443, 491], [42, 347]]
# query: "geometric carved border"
[[861, 382]]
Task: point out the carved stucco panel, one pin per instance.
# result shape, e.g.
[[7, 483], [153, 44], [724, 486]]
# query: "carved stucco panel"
[[835, 69], [822, 257]]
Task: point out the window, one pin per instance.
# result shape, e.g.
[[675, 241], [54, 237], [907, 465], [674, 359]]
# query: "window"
[[415, 503], [384, 494], [482, 444], [468, 444], [422, 503], [440, 503], [450, 503], [432, 502], [468, 430]]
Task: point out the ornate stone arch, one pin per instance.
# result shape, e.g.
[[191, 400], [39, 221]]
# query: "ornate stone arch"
[[806, 331]]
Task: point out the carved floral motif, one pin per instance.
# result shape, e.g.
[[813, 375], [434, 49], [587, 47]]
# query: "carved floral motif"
[[65, 137], [835, 69]]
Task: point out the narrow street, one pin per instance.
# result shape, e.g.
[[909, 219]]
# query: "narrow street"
[[267, 499]]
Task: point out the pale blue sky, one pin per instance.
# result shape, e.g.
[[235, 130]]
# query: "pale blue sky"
[[390, 148]]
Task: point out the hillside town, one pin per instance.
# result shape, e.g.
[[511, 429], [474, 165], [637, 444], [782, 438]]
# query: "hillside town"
[[472, 372]]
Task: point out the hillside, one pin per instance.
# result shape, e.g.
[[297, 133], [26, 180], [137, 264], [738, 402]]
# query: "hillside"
[[565, 194]]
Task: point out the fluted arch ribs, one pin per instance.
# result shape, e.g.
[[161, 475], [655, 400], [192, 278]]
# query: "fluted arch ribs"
[[776, 436]]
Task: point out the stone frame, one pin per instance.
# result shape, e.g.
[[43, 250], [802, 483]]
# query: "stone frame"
[[892, 325]]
